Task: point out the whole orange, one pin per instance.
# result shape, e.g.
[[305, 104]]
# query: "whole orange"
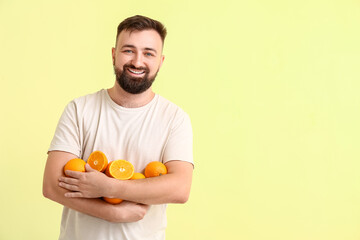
[[112, 200], [155, 169], [75, 164], [137, 176]]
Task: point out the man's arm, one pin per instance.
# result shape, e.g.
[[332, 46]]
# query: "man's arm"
[[173, 187], [125, 212]]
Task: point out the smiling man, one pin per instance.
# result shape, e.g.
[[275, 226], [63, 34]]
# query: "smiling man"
[[128, 121]]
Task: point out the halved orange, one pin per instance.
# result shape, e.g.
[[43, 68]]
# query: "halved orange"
[[155, 169], [75, 164], [120, 169], [112, 200], [137, 176], [98, 161]]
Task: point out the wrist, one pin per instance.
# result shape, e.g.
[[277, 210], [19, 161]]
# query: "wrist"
[[115, 188]]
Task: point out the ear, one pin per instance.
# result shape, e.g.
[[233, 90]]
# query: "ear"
[[113, 51], [161, 61]]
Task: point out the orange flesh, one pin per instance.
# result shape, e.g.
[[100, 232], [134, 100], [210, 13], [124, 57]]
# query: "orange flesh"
[[98, 161], [120, 169]]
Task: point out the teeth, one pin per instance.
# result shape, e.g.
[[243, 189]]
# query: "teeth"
[[136, 72]]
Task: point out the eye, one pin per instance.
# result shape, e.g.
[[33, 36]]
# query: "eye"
[[149, 54], [127, 51]]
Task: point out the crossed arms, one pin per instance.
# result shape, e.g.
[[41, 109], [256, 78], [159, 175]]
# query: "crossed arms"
[[81, 191]]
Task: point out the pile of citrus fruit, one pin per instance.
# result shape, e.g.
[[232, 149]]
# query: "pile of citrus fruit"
[[119, 169]]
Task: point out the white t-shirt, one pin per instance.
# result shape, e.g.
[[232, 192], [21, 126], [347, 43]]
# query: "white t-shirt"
[[158, 131]]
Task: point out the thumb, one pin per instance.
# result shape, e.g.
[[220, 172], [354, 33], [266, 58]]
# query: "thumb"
[[88, 168]]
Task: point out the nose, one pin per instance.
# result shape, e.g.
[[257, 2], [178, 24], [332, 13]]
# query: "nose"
[[137, 60]]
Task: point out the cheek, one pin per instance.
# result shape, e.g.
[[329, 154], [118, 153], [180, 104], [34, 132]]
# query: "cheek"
[[120, 60], [155, 66], [119, 63]]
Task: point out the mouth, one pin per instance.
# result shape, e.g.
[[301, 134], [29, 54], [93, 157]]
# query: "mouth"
[[137, 72]]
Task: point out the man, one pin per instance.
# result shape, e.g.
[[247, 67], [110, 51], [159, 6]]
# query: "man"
[[128, 121]]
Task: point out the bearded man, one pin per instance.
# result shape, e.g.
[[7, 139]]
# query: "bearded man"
[[128, 121]]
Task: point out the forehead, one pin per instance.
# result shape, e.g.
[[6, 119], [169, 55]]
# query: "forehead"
[[140, 39]]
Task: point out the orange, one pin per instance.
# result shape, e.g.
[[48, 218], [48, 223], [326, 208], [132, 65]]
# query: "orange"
[[98, 161], [75, 164], [112, 200], [120, 169], [155, 169], [137, 176]]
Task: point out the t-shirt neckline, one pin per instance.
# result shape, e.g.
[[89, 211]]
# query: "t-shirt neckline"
[[117, 106]]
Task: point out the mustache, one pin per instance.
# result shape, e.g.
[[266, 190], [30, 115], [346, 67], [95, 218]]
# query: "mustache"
[[136, 68]]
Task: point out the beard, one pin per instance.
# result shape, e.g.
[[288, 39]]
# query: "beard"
[[134, 85]]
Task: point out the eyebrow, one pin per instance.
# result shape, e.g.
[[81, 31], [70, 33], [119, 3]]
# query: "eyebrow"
[[132, 46]]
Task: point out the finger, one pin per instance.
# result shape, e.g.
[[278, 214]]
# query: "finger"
[[73, 194], [73, 174], [72, 181], [88, 168], [69, 186]]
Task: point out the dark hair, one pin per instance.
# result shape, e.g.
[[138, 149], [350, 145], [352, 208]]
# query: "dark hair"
[[139, 23]]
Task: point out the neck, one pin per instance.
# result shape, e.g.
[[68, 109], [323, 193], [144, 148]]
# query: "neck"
[[128, 100]]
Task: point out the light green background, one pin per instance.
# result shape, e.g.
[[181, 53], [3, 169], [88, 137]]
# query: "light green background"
[[272, 88]]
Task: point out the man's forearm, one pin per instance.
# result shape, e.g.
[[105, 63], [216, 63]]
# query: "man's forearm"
[[94, 207], [173, 187]]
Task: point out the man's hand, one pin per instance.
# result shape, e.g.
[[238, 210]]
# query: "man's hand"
[[90, 184], [130, 211]]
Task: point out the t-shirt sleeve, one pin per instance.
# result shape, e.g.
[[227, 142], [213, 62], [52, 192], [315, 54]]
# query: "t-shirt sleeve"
[[180, 142], [67, 133]]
